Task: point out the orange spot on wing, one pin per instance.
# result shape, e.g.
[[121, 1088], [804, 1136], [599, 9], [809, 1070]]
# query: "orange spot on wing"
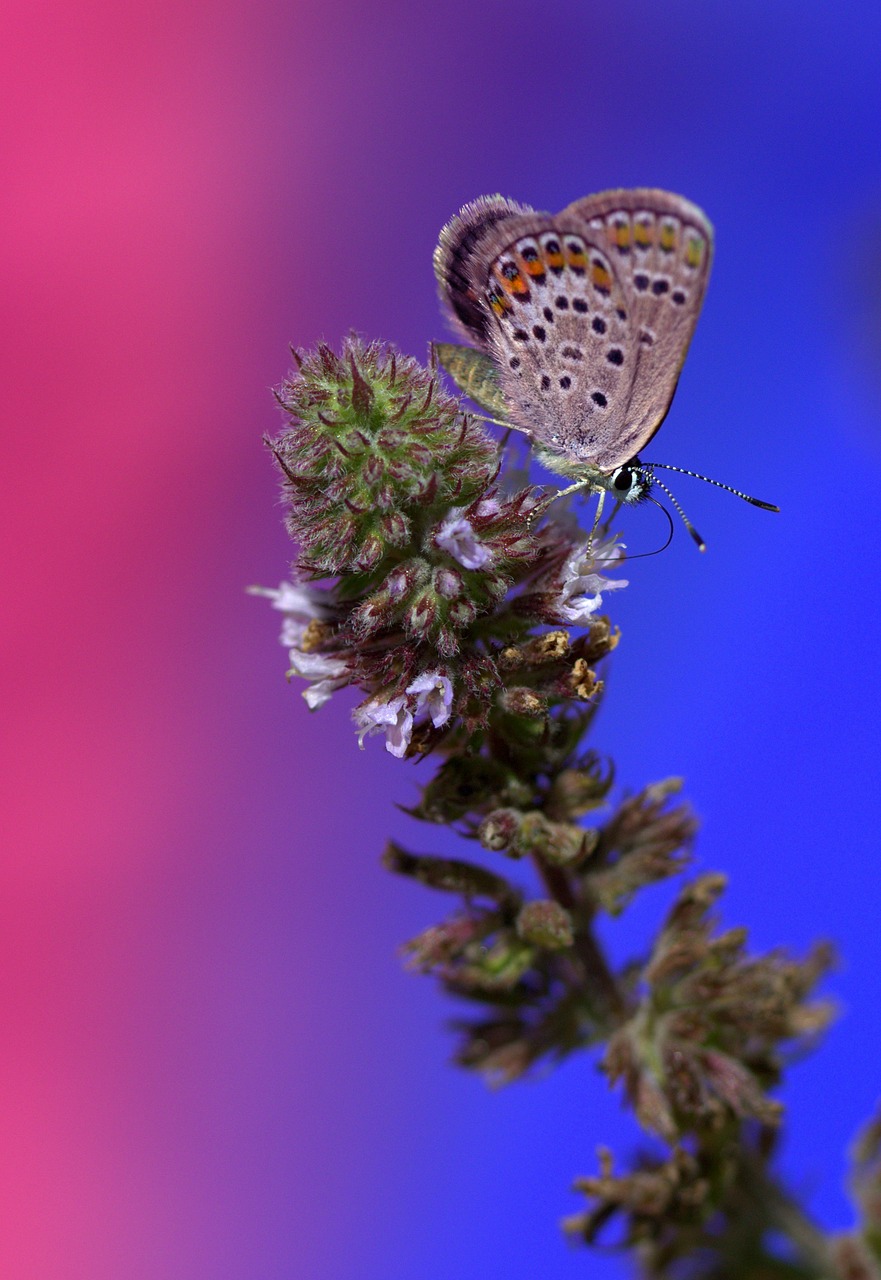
[[499, 303], [643, 234], [694, 251], [513, 284], [600, 276], [668, 236]]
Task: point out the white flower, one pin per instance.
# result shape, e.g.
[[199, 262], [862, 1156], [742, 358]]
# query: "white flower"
[[325, 671], [488, 507], [393, 716], [430, 694], [434, 696], [456, 537], [300, 605], [581, 592], [317, 694]]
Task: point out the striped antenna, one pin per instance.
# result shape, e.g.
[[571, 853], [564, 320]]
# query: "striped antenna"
[[701, 545], [756, 502]]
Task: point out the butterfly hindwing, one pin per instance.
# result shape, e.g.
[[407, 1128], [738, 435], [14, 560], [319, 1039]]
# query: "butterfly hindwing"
[[476, 376]]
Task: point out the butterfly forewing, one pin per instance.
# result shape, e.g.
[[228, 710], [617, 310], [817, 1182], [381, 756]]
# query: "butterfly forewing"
[[661, 245], [458, 254], [560, 341]]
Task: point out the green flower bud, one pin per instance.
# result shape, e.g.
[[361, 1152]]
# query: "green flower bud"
[[371, 441], [499, 829], [545, 923]]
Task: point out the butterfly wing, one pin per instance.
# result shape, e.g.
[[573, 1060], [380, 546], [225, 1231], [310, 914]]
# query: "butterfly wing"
[[475, 374], [587, 315], [457, 261], [661, 248], [558, 333]]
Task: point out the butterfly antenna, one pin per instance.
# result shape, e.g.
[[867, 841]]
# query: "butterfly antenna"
[[639, 555], [701, 545], [660, 507], [756, 502]]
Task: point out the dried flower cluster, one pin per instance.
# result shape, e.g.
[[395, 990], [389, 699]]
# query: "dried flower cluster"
[[857, 1255], [467, 613], [703, 1046]]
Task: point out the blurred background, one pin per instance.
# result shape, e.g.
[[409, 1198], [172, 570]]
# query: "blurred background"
[[212, 1064]]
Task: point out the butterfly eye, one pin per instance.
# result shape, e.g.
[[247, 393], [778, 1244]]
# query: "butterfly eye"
[[629, 483]]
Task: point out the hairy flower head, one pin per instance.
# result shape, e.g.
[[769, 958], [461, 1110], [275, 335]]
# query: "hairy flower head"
[[373, 450], [435, 578]]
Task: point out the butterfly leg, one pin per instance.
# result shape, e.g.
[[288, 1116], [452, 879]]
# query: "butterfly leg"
[[607, 523], [586, 483], [500, 422], [573, 488], [596, 521]]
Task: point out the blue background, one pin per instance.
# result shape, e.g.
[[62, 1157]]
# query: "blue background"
[[751, 670]]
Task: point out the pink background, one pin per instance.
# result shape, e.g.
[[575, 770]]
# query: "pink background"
[[211, 1063]]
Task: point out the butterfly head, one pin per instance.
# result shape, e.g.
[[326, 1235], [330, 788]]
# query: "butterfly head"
[[630, 483]]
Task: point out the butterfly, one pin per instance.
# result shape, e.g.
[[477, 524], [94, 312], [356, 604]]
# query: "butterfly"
[[578, 325]]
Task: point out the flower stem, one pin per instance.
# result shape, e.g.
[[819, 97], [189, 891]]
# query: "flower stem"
[[599, 980]]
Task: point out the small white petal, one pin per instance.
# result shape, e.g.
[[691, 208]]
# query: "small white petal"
[[397, 735], [434, 695], [292, 633], [392, 716], [581, 593], [327, 672], [312, 665], [301, 604], [458, 539], [317, 694]]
